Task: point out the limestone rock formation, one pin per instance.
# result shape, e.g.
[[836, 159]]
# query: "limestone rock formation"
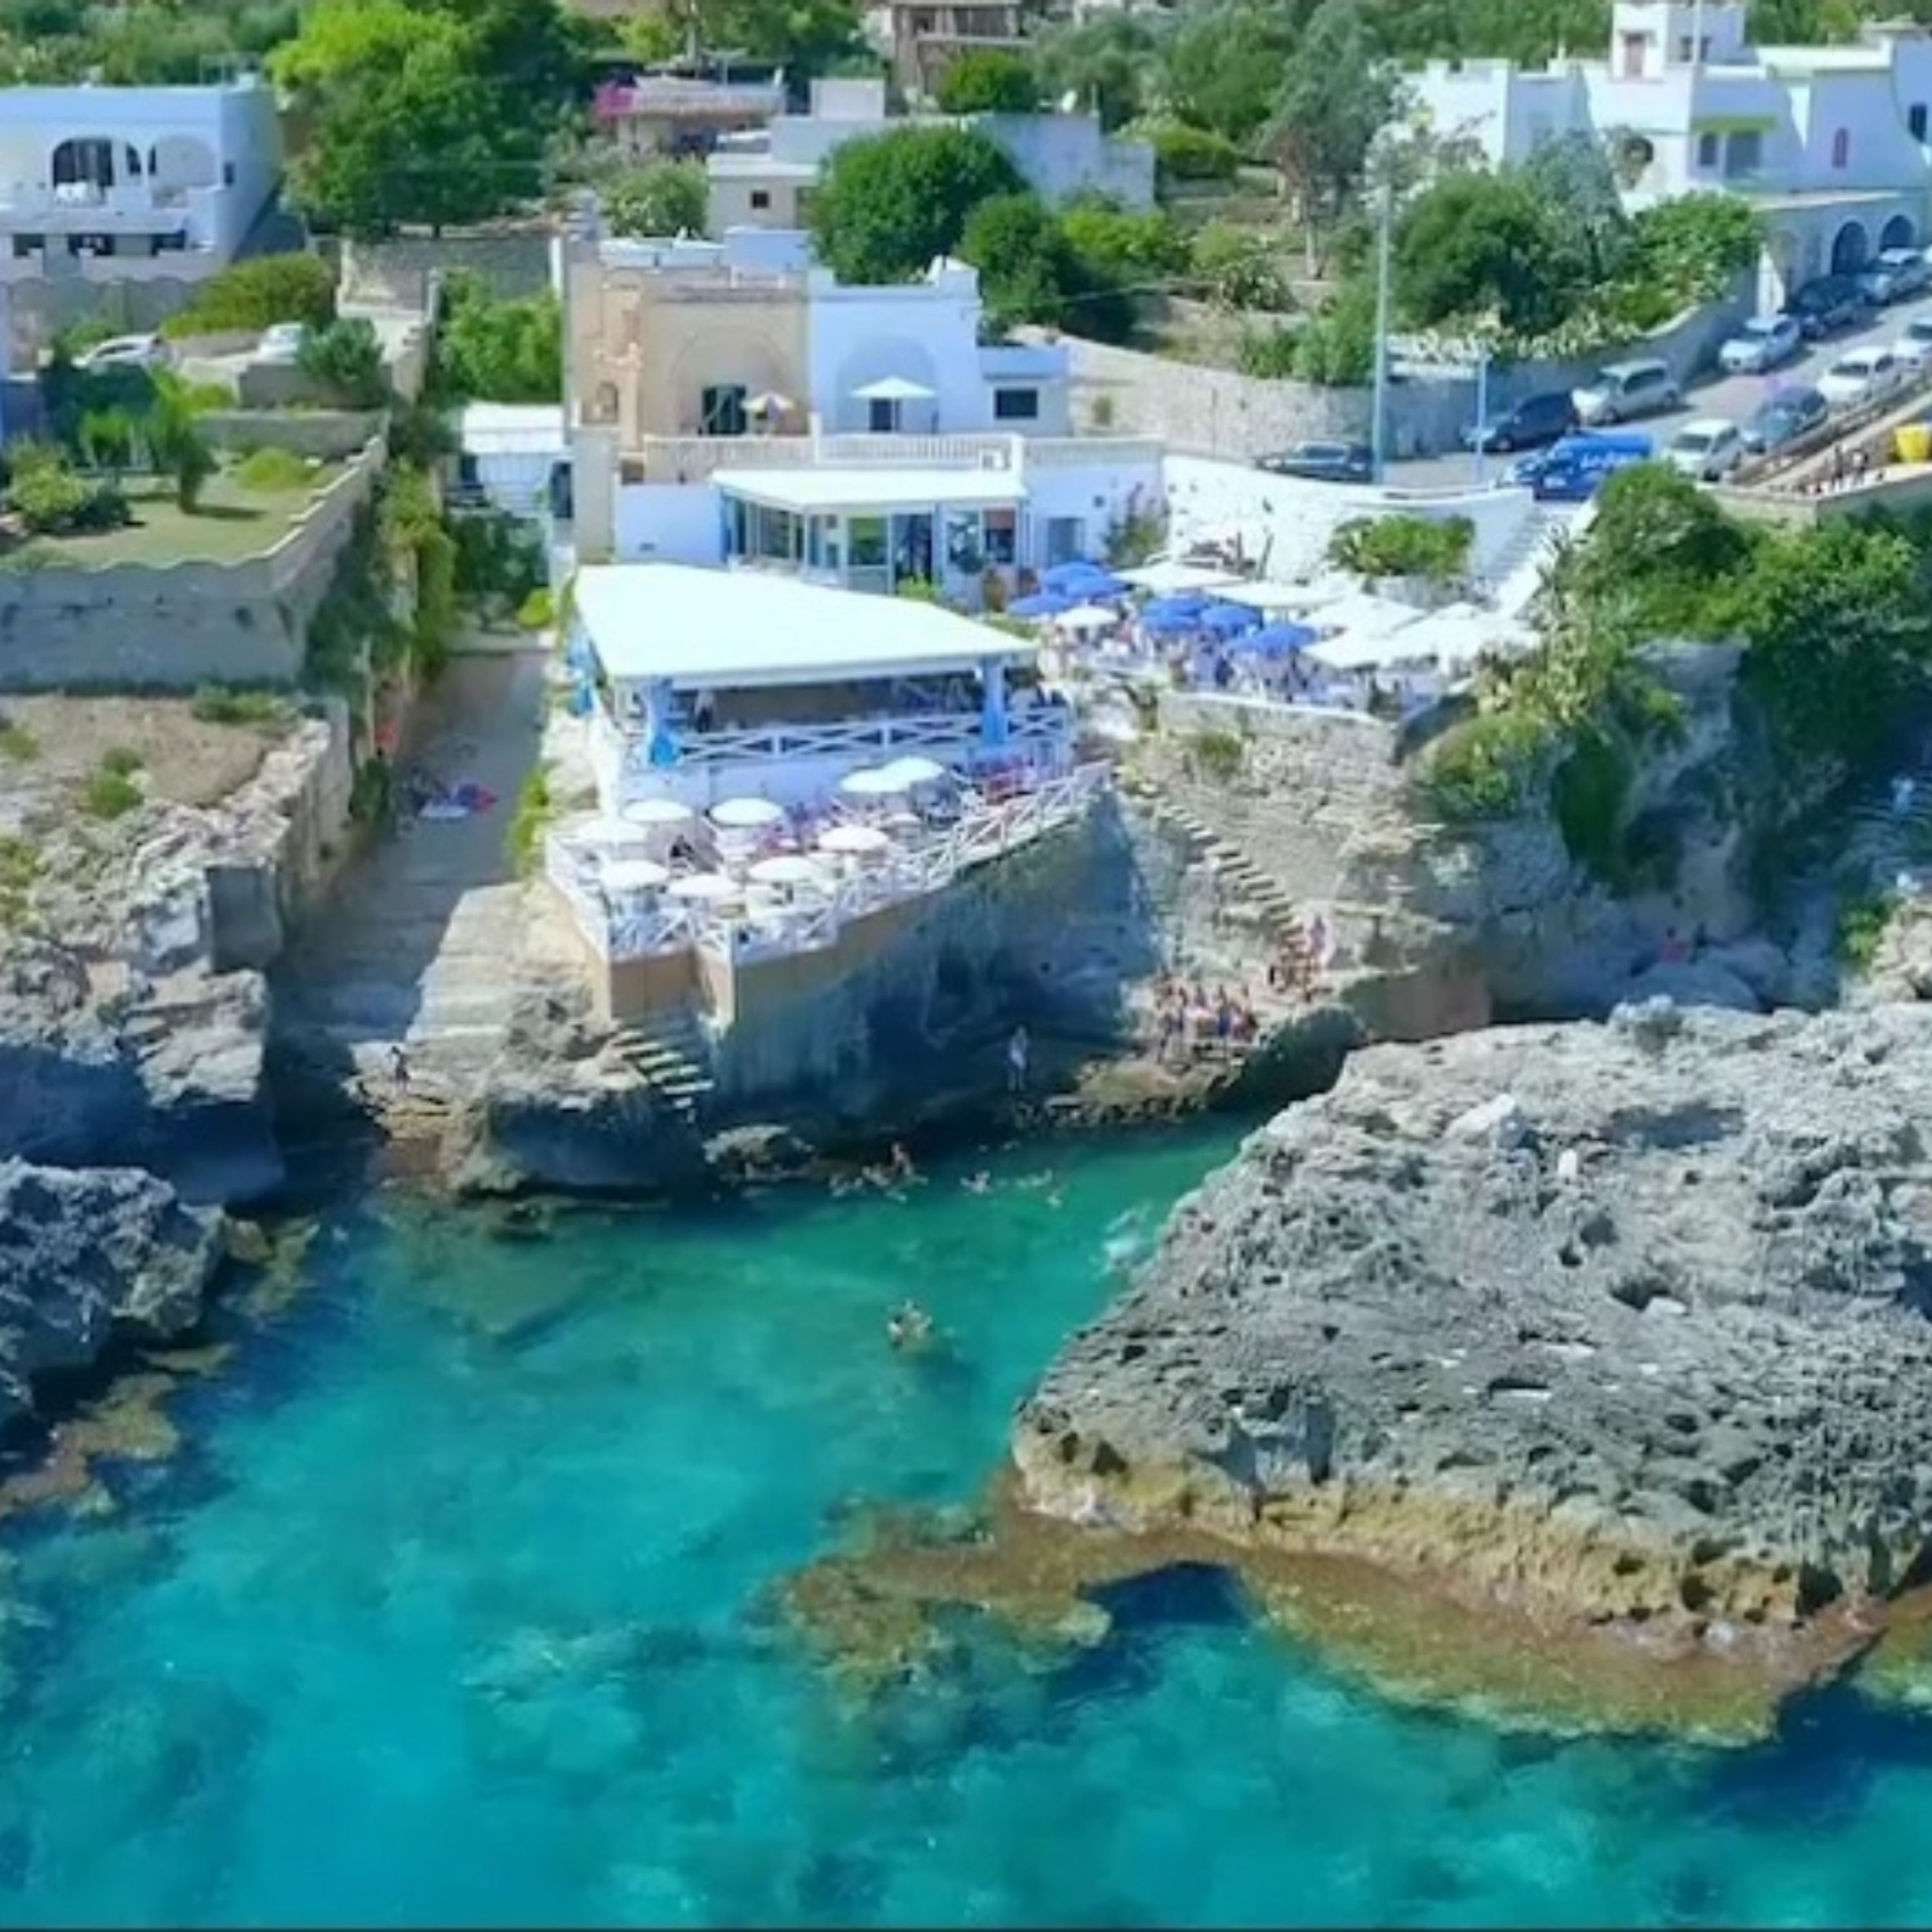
[[1628, 1323], [88, 1256]]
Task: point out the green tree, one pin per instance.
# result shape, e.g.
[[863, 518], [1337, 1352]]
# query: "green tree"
[[1475, 244], [886, 206], [986, 81], [1219, 64], [662, 197], [347, 357], [498, 351], [1029, 271], [1336, 94], [1572, 176], [1661, 559], [1238, 269], [1105, 64], [1122, 245], [175, 440], [1695, 245]]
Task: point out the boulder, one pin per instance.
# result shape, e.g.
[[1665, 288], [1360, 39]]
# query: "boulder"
[[1623, 1323], [92, 1257]]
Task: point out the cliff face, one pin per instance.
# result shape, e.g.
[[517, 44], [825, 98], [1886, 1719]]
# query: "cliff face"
[[1622, 1325]]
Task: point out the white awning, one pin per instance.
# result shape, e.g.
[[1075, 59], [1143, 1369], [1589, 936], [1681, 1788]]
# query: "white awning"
[[874, 488], [1275, 594], [894, 389]]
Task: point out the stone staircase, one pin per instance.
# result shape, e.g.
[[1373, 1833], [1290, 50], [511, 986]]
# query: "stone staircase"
[[670, 1052]]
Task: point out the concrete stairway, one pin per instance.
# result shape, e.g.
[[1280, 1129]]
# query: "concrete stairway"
[[670, 1052], [1267, 901]]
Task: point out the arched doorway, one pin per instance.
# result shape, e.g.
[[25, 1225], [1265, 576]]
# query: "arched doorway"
[[93, 160], [182, 161], [1851, 249], [1898, 232]]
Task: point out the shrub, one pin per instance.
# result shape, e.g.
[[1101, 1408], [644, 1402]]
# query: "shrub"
[[986, 81], [1273, 352], [1218, 755], [122, 761], [1238, 269], [51, 499], [537, 611], [1482, 768], [1861, 925], [499, 561], [346, 357], [1182, 154], [258, 293], [1402, 545], [529, 823], [224, 704], [110, 794], [273, 470], [1589, 791]]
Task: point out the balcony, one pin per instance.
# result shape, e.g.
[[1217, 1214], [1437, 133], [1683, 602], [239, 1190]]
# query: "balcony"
[[139, 208]]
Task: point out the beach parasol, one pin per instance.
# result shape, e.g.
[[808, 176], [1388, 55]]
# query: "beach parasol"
[[746, 814]]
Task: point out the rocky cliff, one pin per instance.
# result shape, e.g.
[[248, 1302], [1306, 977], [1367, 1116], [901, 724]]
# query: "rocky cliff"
[[90, 1257], [1622, 1327]]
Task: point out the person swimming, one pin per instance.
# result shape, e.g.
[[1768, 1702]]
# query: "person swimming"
[[909, 1326]]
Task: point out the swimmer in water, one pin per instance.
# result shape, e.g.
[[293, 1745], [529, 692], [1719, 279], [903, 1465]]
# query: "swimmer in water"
[[900, 1166], [981, 1183], [909, 1326]]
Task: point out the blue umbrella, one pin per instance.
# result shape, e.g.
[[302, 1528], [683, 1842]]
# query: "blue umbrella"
[[1170, 614], [1228, 620], [1277, 641], [1041, 604], [1080, 579]]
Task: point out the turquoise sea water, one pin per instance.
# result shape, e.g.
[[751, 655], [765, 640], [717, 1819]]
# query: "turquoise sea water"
[[452, 1610]]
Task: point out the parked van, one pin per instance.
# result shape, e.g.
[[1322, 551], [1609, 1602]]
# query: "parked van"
[[1570, 471], [1620, 390]]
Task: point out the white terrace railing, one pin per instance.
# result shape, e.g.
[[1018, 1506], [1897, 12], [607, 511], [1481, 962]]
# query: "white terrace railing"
[[694, 459], [645, 927], [867, 739]]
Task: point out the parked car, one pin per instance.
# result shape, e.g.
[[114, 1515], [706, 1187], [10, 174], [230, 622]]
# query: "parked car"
[[1830, 302], [1914, 347], [1323, 462], [1620, 390], [1861, 374], [1761, 343], [123, 351], [1783, 418], [1708, 449], [1536, 419], [1571, 471], [281, 342], [1896, 273]]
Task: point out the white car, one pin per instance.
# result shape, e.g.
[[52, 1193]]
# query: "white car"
[[1761, 343], [281, 342], [123, 351], [1914, 348], [1860, 375], [1708, 449]]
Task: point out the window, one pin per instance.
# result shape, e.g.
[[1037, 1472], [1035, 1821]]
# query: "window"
[[721, 409], [1707, 151], [1744, 155], [1000, 528], [1684, 48], [868, 542], [1633, 51], [1841, 147], [228, 174], [1015, 405], [1063, 539], [1915, 119], [760, 199]]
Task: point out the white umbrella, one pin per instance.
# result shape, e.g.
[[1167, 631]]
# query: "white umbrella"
[[745, 814], [710, 888], [1086, 617], [869, 782], [1164, 576], [788, 869], [635, 875], [914, 771], [657, 811], [768, 403], [895, 389], [612, 831], [858, 839]]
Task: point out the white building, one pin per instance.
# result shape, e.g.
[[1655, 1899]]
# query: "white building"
[[764, 179], [122, 182], [708, 685], [1830, 143], [509, 457]]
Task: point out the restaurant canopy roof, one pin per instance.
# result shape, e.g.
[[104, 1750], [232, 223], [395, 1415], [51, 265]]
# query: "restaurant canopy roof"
[[732, 629], [871, 488]]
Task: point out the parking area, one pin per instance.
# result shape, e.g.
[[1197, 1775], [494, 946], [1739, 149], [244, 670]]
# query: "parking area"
[[1733, 397]]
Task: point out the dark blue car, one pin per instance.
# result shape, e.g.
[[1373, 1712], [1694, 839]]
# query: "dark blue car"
[[1535, 420]]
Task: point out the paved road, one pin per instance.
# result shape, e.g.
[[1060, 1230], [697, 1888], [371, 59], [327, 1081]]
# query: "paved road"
[[1733, 396]]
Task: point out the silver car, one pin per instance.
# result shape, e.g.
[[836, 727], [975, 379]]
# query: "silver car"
[[1761, 343]]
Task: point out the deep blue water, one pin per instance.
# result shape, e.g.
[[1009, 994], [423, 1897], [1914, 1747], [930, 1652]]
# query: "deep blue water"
[[453, 1610]]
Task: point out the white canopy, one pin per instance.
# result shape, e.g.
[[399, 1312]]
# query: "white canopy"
[[868, 782], [1364, 650], [606, 832], [1086, 617], [709, 888], [1364, 614], [768, 403], [657, 811], [788, 868], [894, 389], [1276, 594], [746, 814], [854, 838], [633, 875], [914, 771], [1164, 576]]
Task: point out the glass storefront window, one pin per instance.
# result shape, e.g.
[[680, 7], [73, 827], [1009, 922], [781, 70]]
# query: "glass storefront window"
[[1001, 528], [868, 542]]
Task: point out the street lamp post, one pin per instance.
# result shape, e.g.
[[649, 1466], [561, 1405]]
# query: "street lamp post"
[[1379, 403], [1482, 409]]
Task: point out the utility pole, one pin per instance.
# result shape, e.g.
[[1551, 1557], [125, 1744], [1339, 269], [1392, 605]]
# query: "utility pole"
[[1482, 408], [1378, 404]]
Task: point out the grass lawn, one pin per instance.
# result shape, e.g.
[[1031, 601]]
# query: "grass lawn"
[[232, 522]]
